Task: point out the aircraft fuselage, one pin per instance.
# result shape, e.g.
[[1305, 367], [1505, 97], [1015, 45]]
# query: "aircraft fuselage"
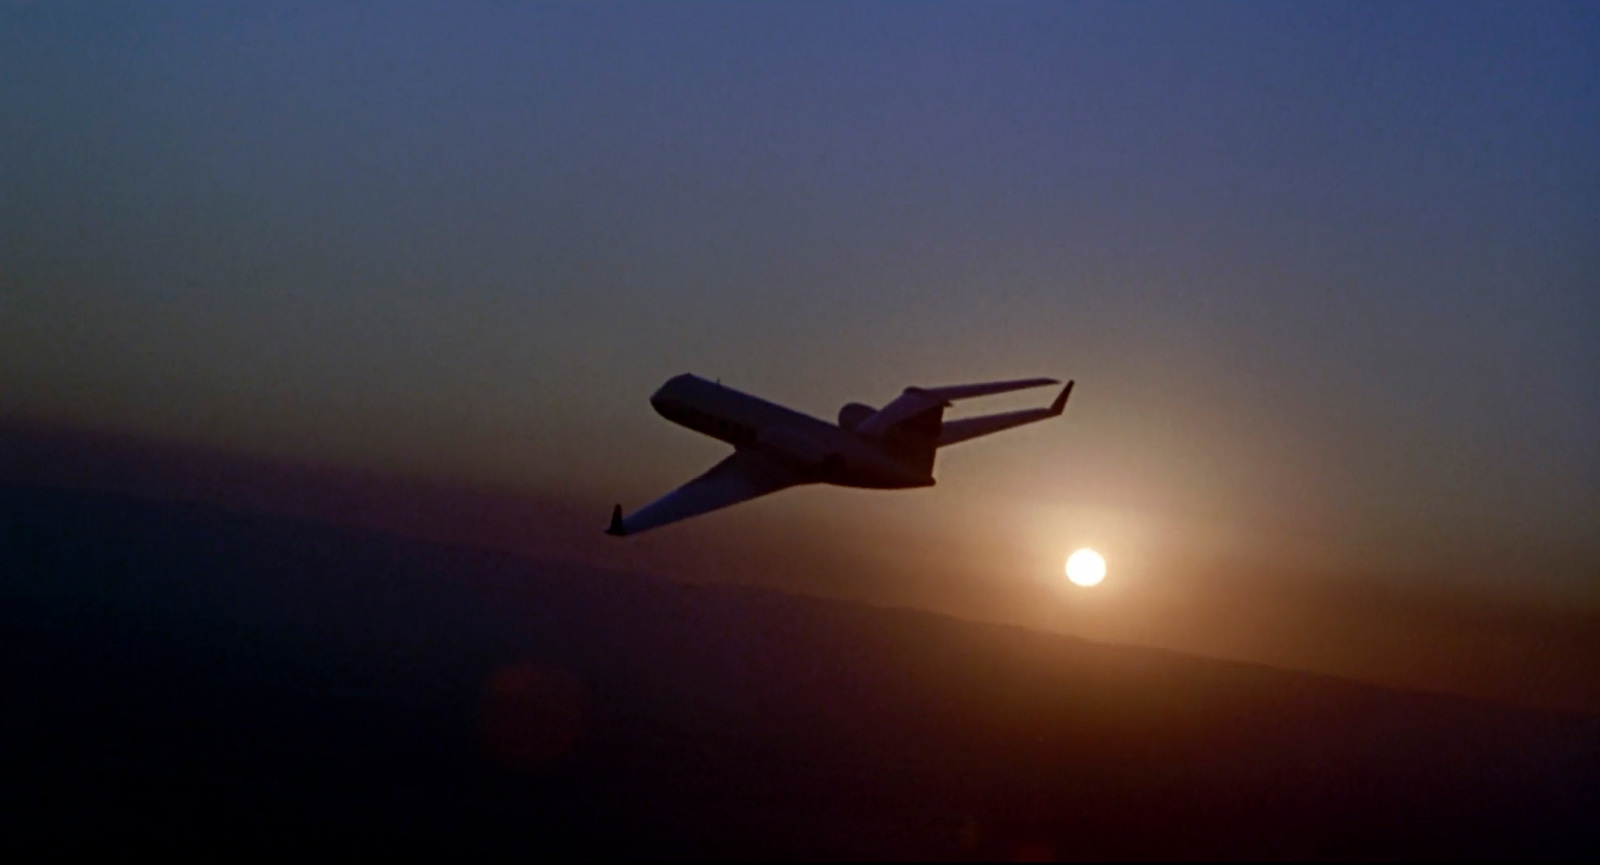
[[822, 451]]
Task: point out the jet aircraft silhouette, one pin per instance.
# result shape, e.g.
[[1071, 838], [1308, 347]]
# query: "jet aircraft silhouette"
[[776, 447]]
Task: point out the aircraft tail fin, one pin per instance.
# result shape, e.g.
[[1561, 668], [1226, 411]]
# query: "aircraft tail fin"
[[915, 438], [913, 424], [916, 405]]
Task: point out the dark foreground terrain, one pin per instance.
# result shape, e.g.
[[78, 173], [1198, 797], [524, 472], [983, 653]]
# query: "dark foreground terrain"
[[194, 678]]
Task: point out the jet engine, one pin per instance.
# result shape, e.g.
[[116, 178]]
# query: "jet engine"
[[853, 414]]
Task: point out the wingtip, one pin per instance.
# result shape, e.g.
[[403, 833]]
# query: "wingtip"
[[617, 529], [1060, 405]]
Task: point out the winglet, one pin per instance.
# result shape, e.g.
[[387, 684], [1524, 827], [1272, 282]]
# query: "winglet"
[[1060, 405], [617, 529]]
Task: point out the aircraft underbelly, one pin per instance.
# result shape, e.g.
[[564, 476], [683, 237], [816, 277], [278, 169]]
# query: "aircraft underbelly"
[[861, 465], [835, 458], [866, 481]]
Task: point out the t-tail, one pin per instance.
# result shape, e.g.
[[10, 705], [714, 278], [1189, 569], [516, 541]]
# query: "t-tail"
[[913, 425], [953, 431]]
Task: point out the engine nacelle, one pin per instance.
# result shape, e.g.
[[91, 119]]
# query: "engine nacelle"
[[853, 414]]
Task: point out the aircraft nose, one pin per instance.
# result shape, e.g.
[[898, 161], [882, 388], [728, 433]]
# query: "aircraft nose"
[[662, 401], [668, 394]]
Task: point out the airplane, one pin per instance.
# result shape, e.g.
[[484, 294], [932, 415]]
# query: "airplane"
[[775, 448]]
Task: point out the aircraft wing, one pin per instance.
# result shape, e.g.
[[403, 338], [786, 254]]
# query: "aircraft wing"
[[917, 400], [739, 478]]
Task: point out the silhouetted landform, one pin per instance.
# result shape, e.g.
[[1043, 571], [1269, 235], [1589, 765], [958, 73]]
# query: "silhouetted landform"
[[187, 677]]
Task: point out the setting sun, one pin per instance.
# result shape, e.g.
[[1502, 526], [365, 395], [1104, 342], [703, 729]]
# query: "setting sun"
[[1086, 568]]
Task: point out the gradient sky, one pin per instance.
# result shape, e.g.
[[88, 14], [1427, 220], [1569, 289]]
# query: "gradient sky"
[[1328, 275]]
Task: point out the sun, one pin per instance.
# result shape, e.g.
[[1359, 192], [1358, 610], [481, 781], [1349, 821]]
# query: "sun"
[[1086, 568]]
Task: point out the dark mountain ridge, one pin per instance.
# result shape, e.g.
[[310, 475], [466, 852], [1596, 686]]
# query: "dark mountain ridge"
[[184, 676]]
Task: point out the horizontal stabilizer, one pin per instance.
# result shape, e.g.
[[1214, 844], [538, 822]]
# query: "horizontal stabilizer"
[[953, 431], [968, 391], [916, 402]]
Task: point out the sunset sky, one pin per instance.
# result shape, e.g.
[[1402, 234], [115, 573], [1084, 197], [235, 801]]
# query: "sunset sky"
[[1327, 276]]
